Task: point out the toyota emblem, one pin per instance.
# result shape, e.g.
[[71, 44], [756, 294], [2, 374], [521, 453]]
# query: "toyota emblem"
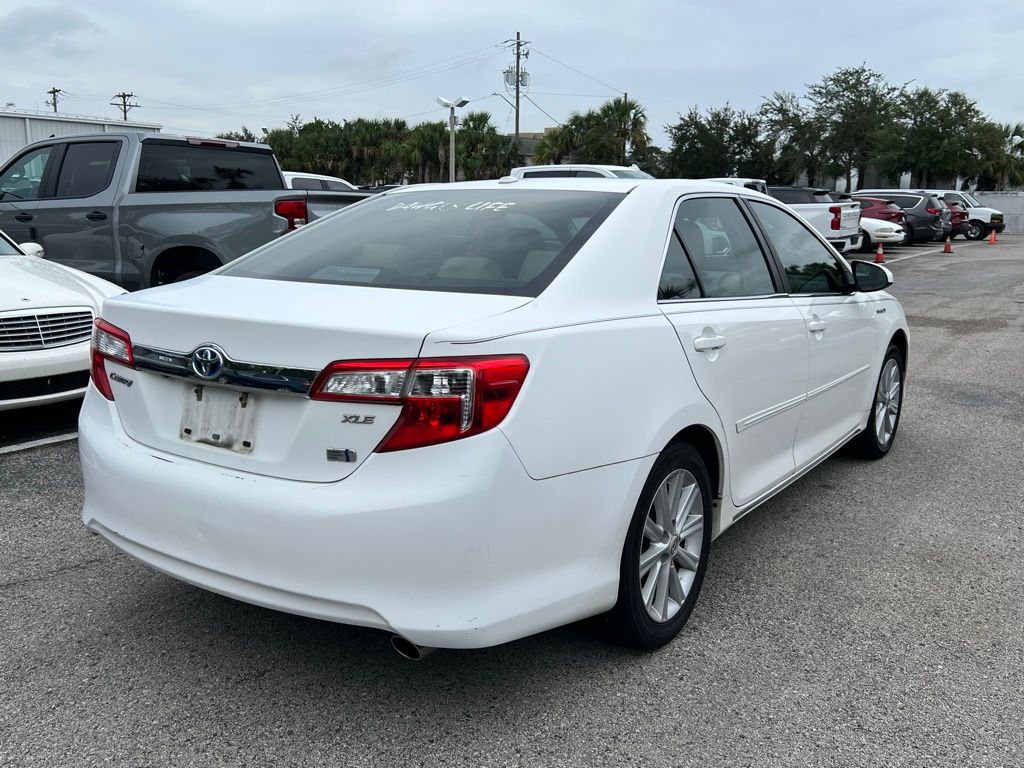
[[207, 362]]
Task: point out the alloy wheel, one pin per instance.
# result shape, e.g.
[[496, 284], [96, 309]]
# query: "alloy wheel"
[[887, 402], [670, 549]]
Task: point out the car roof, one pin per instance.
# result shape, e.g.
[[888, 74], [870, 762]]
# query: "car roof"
[[549, 166], [624, 186]]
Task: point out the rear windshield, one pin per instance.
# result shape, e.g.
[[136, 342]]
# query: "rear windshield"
[[186, 168], [493, 241], [906, 201]]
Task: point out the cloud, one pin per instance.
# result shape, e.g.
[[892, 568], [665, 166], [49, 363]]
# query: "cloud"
[[57, 30]]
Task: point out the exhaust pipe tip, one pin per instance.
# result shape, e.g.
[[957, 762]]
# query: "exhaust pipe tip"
[[407, 649]]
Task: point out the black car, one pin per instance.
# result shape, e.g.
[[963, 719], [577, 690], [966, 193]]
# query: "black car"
[[927, 217]]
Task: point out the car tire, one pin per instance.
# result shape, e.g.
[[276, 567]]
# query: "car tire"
[[975, 230], [865, 242], [908, 235], [886, 408], [665, 555]]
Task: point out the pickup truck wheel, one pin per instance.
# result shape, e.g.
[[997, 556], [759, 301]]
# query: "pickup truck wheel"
[[865, 242], [975, 230]]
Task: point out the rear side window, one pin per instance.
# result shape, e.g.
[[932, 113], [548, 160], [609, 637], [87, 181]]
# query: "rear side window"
[[338, 186], [677, 278], [722, 247], [546, 174], [301, 182], [186, 168], [790, 196], [491, 241], [87, 168], [906, 201]]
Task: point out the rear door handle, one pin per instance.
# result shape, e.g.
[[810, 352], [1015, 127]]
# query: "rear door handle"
[[708, 343], [817, 326], [96, 216], [23, 217]]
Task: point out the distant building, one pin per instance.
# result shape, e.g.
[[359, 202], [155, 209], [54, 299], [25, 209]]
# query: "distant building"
[[19, 127], [528, 143]]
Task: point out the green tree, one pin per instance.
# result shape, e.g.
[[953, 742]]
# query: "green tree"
[[243, 135], [722, 141], [852, 106], [1001, 155], [627, 122], [480, 151]]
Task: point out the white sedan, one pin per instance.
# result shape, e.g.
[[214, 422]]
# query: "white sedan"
[[877, 231], [46, 321], [471, 412]]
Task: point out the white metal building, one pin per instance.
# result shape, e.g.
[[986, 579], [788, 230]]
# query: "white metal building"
[[19, 127]]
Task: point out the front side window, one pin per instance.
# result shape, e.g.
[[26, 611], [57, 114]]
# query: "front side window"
[[810, 266], [491, 241], [22, 179], [178, 167], [87, 168], [722, 247]]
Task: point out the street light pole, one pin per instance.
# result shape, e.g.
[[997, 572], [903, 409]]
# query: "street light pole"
[[451, 104]]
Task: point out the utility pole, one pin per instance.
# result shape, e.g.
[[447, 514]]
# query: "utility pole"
[[625, 128], [519, 46], [54, 92], [124, 106]]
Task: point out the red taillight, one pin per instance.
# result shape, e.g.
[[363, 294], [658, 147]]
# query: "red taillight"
[[933, 210], [442, 399], [108, 343], [837, 216], [294, 211]]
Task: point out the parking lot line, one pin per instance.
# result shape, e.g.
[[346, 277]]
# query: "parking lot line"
[[36, 443], [930, 250]]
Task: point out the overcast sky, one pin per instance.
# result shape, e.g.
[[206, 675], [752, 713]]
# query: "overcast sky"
[[206, 67]]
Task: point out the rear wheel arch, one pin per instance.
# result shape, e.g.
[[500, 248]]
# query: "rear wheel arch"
[[710, 450], [899, 339], [179, 260]]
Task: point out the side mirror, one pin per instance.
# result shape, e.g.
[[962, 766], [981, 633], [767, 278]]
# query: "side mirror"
[[32, 249], [868, 276]]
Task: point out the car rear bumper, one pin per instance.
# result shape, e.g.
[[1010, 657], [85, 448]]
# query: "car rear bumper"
[[448, 546], [844, 244], [44, 376]]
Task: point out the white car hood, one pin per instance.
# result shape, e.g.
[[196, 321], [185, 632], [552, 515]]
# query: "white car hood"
[[27, 282]]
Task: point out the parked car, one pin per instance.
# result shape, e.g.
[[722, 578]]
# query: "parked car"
[[143, 209], [427, 382], [880, 208], [981, 219], [959, 220], [46, 320], [876, 231], [579, 170], [838, 220], [923, 220], [296, 180], [759, 185]]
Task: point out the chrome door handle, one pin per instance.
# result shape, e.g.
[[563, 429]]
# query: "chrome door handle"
[[817, 326], [708, 343]]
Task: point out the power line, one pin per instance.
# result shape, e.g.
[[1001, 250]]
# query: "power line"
[[538, 106], [577, 71]]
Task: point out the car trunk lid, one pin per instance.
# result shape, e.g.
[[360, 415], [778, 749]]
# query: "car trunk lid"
[[223, 365]]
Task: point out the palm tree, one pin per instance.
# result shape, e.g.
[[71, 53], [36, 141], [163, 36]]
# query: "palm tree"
[[627, 121], [1003, 154]]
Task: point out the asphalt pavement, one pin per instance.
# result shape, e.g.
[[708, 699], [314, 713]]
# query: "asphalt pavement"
[[871, 614]]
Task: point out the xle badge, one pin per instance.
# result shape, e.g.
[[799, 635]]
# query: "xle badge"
[[354, 418]]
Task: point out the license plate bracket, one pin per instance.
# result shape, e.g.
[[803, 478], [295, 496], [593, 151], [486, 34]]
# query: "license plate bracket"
[[222, 418]]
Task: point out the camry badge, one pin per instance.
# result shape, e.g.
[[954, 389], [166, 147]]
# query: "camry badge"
[[207, 362]]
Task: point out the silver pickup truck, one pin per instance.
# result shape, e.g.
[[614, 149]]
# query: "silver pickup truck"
[[142, 209]]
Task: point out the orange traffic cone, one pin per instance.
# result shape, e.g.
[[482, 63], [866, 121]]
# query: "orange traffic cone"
[[992, 237], [949, 246], [879, 255]]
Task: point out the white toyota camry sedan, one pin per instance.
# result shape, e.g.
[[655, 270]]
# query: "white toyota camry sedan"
[[46, 321], [468, 413]]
